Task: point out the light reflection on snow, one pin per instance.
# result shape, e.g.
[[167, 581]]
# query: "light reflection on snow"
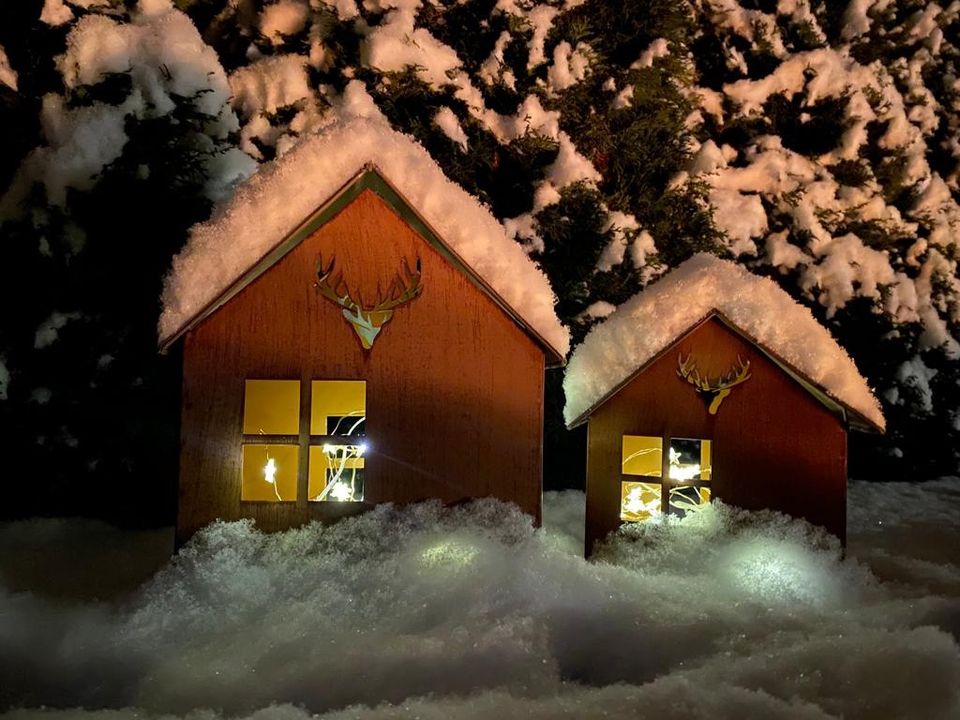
[[729, 614]]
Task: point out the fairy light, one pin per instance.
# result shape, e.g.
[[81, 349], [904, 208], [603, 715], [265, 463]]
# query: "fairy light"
[[270, 471], [270, 474], [634, 503], [679, 471], [341, 491]]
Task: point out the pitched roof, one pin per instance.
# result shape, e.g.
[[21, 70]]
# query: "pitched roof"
[[289, 198], [646, 325]]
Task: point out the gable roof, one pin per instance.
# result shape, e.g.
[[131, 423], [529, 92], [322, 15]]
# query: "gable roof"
[[704, 286], [288, 199]]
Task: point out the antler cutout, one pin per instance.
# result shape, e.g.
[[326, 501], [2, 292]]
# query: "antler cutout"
[[714, 389], [368, 320]]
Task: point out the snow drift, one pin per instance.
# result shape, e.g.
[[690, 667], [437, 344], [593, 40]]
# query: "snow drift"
[[469, 612]]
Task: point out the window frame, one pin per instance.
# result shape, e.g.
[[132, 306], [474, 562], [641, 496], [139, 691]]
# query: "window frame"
[[666, 483], [303, 440]]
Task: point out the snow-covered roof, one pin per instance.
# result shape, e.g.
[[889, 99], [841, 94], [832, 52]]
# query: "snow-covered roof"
[[276, 201], [648, 323]]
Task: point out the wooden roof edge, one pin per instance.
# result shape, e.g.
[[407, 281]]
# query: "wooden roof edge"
[[347, 192], [850, 417]]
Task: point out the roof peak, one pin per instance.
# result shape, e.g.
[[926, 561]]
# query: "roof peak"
[[279, 200], [652, 320]]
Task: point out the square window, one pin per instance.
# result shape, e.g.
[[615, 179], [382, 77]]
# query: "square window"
[[688, 499], [639, 501], [271, 407], [338, 407], [642, 455], [689, 459], [336, 473], [269, 473]]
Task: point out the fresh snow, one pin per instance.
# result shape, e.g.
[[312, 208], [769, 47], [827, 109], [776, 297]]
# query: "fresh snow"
[[283, 18], [447, 121], [166, 58], [470, 613], [49, 329], [650, 321], [283, 193]]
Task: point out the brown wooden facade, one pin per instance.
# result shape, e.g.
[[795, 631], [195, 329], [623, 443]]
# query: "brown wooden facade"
[[454, 383], [775, 443]]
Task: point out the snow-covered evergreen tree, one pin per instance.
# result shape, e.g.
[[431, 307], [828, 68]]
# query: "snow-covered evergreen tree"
[[814, 142]]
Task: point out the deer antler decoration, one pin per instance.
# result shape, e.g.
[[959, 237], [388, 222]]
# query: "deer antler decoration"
[[368, 320], [714, 389]]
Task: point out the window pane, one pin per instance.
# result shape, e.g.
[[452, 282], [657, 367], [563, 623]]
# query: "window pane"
[[338, 407], [639, 501], [642, 455], [336, 473], [689, 459], [271, 407], [270, 473], [685, 500]]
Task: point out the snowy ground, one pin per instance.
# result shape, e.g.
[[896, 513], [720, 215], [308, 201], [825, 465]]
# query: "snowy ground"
[[469, 613]]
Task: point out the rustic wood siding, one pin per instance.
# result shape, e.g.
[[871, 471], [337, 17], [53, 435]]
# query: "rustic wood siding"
[[774, 445], [454, 386]]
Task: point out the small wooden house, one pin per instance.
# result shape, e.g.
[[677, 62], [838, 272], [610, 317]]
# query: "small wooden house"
[[356, 329], [713, 382]]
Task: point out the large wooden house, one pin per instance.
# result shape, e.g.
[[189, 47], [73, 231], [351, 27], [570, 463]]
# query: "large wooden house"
[[713, 382], [356, 329]]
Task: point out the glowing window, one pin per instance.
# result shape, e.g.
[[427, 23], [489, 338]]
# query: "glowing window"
[[639, 501], [273, 445], [688, 499], [270, 473], [338, 412], [689, 459], [642, 455], [338, 407], [270, 460], [336, 473], [685, 488], [271, 407]]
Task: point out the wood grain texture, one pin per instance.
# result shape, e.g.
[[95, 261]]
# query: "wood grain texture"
[[774, 445], [454, 386]]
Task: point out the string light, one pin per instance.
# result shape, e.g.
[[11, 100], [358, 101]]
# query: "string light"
[[270, 471], [342, 492], [634, 503], [270, 474]]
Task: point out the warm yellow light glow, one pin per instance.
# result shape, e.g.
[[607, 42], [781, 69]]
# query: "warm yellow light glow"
[[686, 470], [680, 471], [689, 500], [341, 491], [271, 407], [639, 501], [642, 455], [343, 399], [332, 466], [270, 471]]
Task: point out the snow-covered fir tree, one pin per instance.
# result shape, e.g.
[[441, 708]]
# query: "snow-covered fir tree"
[[814, 142]]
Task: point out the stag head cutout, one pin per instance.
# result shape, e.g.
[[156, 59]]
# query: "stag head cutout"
[[713, 390], [368, 320]]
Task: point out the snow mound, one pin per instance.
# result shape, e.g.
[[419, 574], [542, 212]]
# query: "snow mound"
[[282, 194], [652, 319], [469, 612]]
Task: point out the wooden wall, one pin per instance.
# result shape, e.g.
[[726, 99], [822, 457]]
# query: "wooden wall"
[[774, 445], [454, 386]]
